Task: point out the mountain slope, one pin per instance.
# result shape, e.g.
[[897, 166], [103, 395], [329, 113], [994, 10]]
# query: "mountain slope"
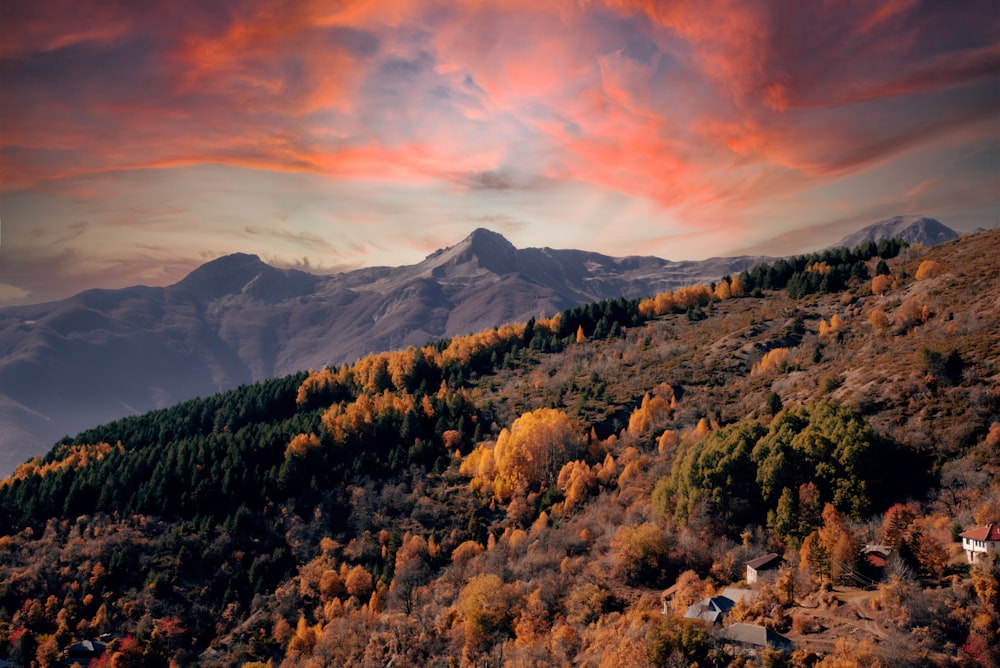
[[912, 229], [103, 354], [522, 496]]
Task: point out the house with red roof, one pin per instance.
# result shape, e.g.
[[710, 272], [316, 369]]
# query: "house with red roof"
[[977, 542]]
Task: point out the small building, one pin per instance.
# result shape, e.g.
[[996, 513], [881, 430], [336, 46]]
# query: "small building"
[[981, 540], [754, 636], [737, 594], [764, 568], [667, 596], [711, 609], [876, 556], [85, 651]]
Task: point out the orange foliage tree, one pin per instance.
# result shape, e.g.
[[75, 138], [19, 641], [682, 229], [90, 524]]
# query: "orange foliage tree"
[[928, 269], [879, 320], [881, 284]]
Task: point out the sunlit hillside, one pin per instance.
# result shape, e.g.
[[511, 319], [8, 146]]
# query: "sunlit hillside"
[[564, 491]]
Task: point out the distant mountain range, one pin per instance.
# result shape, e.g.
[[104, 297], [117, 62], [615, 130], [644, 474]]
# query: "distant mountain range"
[[103, 354]]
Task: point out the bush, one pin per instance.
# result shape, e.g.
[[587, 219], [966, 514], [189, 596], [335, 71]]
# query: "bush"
[[806, 624]]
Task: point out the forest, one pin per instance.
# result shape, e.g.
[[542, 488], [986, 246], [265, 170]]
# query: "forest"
[[556, 492]]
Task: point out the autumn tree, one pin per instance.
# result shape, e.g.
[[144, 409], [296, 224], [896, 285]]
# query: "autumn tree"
[[928, 269], [643, 553], [359, 583], [303, 641], [331, 585], [881, 283], [577, 481], [679, 642], [689, 590], [879, 320], [653, 413], [412, 569], [832, 550], [530, 454], [488, 609], [903, 532], [986, 584]]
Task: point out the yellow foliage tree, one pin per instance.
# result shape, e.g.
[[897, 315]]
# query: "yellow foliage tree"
[[607, 471], [577, 482], [667, 441], [488, 608], [466, 551], [690, 590], [653, 413], [480, 466], [331, 585], [834, 324], [533, 450], [301, 444], [736, 287], [356, 417], [772, 359]]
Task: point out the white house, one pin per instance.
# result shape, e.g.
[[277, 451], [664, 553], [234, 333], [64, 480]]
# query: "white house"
[[980, 541]]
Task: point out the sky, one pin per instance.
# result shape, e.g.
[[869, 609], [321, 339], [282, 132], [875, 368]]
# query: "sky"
[[139, 140]]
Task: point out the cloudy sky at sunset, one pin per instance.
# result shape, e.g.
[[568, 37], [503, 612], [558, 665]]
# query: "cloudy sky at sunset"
[[140, 139]]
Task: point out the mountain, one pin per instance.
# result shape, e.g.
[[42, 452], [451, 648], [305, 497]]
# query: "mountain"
[[524, 496], [103, 354], [912, 229]]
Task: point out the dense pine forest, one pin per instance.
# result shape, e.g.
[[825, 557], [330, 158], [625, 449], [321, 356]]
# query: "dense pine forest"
[[524, 495]]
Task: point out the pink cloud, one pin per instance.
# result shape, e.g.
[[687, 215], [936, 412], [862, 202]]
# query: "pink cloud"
[[702, 107]]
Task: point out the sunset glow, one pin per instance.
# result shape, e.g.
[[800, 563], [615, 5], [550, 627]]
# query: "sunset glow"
[[138, 140]]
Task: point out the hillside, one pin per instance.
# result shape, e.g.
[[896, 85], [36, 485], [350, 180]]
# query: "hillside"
[[522, 496], [236, 320]]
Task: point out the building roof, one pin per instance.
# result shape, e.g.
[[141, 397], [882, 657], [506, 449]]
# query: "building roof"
[[669, 591], [752, 634], [989, 532], [884, 550], [876, 559], [86, 649], [739, 593], [772, 560], [710, 609], [710, 616]]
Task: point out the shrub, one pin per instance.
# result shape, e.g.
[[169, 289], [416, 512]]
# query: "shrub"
[[928, 269]]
